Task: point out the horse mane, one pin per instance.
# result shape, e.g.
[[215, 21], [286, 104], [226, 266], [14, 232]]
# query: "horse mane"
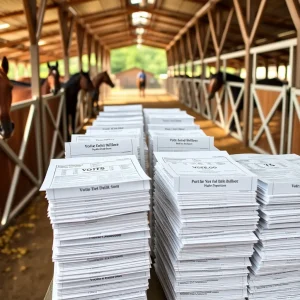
[[97, 79], [73, 79]]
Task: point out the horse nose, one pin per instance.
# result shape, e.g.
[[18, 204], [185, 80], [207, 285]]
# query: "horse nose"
[[6, 130]]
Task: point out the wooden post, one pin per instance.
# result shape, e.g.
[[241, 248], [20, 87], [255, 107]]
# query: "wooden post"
[[202, 38], [248, 26], [177, 57], [102, 56], [89, 50], [267, 68], [219, 30], [35, 18], [80, 32], [294, 8], [96, 49], [66, 32], [190, 50], [183, 54]]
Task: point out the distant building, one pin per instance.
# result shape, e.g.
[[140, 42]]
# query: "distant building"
[[127, 79]]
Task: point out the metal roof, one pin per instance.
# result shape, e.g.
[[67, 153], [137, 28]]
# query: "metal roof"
[[114, 23]]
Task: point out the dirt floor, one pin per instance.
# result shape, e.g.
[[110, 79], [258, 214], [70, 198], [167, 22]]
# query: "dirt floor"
[[25, 247]]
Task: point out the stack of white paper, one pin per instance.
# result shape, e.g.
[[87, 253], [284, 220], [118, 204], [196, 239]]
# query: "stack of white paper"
[[121, 108], [117, 132], [205, 213], [178, 118], [98, 210], [275, 269]]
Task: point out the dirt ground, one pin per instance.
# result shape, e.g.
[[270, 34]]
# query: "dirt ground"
[[26, 268]]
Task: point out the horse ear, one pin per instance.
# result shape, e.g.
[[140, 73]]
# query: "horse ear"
[[56, 64], [5, 64], [48, 65]]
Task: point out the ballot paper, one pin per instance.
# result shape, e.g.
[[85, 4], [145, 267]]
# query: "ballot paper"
[[114, 115], [275, 264], [134, 133], [104, 147], [123, 108], [98, 210], [205, 217], [173, 127]]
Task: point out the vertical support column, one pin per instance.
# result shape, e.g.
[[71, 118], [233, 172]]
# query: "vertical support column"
[[190, 50], [80, 32], [35, 18], [89, 50], [248, 28], [66, 32], [96, 49], [267, 68], [294, 8], [183, 54]]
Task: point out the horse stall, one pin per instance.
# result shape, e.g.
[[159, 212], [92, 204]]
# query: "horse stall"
[[268, 128], [293, 142]]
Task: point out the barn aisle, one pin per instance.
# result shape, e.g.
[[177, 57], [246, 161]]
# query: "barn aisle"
[[26, 246]]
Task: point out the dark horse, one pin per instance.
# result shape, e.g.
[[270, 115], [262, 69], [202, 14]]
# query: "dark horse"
[[6, 125], [102, 77], [219, 79], [77, 82]]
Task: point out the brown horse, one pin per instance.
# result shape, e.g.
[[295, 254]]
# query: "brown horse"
[[6, 125], [51, 84], [102, 77]]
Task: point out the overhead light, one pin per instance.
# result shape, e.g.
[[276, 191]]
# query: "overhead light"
[[139, 30], [140, 18], [42, 42], [4, 25]]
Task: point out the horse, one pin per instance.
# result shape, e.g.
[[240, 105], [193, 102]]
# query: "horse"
[[50, 84], [77, 82], [100, 78], [219, 79], [6, 124]]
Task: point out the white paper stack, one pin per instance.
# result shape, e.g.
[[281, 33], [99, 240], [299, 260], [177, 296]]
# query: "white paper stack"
[[168, 118], [206, 215], [119, 108], [275, 269], [98, 210], [117, 132]]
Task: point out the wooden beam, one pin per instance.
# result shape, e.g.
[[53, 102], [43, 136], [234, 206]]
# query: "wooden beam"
[[40, 18], [80, 32], [89, 49], [294, 9], [202, 11], [218, 35], [248, 26]]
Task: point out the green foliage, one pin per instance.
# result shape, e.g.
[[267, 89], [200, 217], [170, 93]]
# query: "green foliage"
[[147, 58]]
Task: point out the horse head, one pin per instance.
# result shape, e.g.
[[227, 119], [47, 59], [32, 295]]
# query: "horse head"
[[216, 82], [6, 125], [107, 80], [54, 78], [86, 82], [102, 77]]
